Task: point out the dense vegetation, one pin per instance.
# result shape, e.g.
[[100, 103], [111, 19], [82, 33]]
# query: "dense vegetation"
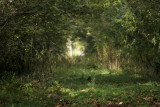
[[121, 65]]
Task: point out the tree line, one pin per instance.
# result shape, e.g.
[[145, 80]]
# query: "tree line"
[[119, 34]]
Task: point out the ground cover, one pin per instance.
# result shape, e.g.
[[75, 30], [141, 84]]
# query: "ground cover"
[[80, 87]]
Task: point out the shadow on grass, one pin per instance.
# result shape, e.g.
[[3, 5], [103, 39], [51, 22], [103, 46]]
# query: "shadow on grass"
[[81, 81], [98, 86], [104, 89], [121, 79]]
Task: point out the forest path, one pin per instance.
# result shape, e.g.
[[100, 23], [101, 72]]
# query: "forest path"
[[79, 87], [97, 87]]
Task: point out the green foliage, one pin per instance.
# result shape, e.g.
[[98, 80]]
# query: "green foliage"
[[118, 35], [73, 85], [31, 32], [118, 32], [115, 32]]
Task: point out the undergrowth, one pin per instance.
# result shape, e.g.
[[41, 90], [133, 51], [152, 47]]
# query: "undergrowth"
[[79, 86]]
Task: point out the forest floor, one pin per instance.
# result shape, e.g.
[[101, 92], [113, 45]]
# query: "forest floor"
[[80, 87]]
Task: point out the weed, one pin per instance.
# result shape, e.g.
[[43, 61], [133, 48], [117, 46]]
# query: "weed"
[[79, 86]]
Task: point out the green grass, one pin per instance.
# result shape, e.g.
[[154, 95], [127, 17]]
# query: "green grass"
[[81, 87]]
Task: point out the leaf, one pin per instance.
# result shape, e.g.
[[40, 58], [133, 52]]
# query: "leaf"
[[120, 103]]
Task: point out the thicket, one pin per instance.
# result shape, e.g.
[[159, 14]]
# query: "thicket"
[[119, 34]]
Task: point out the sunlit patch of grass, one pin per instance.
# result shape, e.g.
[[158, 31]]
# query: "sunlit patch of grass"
[[103, 87], [81, 87]]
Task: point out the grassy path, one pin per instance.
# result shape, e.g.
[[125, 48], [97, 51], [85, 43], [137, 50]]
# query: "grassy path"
[[89, 87], [80, 87]]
